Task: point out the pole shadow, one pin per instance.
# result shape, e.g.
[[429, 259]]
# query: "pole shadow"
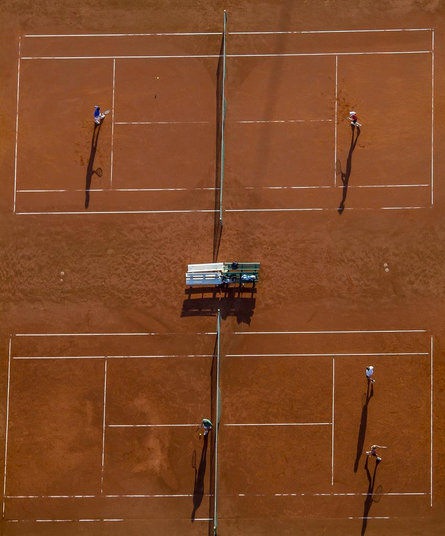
[[198, 490], [369, 496], [347, 174], [363, 422], [90, 170]]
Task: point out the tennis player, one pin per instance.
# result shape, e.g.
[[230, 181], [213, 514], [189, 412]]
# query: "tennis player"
[[98, 116]]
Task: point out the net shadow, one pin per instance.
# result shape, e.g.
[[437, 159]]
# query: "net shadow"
[[217, 222]]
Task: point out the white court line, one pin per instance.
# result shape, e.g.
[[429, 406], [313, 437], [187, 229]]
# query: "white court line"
[[335, 120], [108, 496], [356, 354], [280, 424], [105, 520], [153, 496], [396, 494], [249, 121], [333, 421], [332, 31], [17, 124], [144, 334], [124, 34], [6, 427], [85, 213], [401, 208], [229, 33], [431, 419], [370, 517], [209, 211], [111, 356], [112, 124], [162, 122], [330, 332], [103, 428], [212, 188], [432, 117], [194, 56], [151, 425], [182, 495], [52, 496]]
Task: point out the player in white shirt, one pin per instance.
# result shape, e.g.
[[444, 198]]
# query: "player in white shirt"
[[369, 373]]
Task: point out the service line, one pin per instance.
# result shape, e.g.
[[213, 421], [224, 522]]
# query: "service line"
[[112, 124], [335, 120], [212, 188], [104, 427], [194, 56], [17, 123], [432, 117], [143, 334], [279, 424], [333, 421], [183, 34], [151, 425], [111, 356], [431, 419], [330, 332], [356, 354]]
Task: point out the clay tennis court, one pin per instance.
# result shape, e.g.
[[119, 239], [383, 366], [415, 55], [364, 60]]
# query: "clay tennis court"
[[110, 362]]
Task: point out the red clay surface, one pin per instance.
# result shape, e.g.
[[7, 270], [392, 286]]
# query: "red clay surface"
[[83, 416]]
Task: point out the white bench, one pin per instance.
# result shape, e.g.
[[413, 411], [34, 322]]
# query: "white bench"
[[204, 268], [208, 278]]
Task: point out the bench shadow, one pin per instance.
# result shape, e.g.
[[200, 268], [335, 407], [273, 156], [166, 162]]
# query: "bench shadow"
[[363, 422], [231, 301], [90, 170], [347, 174]]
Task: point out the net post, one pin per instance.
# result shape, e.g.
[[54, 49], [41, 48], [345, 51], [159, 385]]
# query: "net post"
[[217, 419], [223, 120]]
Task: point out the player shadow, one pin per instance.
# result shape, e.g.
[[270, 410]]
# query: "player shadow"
[[90, 170], [363, 422], [235, 301], [198, 490], [369, 496], [217, 220], [347, 174]]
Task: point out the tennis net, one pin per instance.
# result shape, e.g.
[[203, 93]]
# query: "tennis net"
[[222, 115]]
